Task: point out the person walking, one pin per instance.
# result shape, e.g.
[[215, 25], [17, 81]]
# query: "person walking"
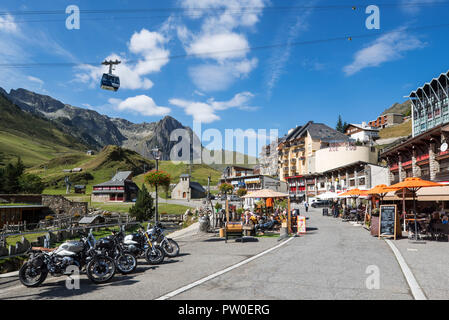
[[306, 206]]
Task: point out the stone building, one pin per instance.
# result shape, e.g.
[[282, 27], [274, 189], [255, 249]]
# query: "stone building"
[[187, 189], [268, 159]]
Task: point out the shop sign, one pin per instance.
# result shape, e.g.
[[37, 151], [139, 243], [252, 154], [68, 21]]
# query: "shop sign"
[[301, 224]]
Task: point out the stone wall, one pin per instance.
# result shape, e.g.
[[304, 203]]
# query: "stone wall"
[[61, 205], [56, 204], [22, 198]]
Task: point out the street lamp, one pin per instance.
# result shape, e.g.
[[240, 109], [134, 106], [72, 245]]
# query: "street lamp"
[[157, 156]]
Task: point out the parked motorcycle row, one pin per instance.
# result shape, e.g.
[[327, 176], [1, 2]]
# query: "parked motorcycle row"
[[100, 259]]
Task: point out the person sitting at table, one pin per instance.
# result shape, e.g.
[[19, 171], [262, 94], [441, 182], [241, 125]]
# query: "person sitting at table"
[[445, 220]]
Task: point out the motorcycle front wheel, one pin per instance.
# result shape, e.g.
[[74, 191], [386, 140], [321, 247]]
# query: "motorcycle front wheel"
[[126, 263], [171, 248], [154, 255], [30, 277], [100, 269]]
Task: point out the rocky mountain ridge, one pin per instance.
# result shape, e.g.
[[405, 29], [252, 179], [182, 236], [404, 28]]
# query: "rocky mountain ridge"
[[97, 130]]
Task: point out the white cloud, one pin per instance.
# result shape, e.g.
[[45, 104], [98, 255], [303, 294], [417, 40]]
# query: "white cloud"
[[150, 46], [200, 111], [36, 80], [8, 25], [141, 104], [205, 112], [216, 77], [222, 15], [386, 48], [218, 41], [414, 6], [292, 27], [220, 46]]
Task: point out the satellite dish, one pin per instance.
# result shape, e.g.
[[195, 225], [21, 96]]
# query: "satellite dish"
[[443, 147]]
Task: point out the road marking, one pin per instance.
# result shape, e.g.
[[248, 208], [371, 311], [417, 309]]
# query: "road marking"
[[219, 273], [417, 292]]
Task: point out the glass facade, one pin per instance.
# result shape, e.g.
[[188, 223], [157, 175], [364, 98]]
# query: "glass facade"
[[430, 104]]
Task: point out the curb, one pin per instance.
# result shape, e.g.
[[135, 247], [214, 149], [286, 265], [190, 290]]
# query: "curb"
[[9, 274], [417, 292]]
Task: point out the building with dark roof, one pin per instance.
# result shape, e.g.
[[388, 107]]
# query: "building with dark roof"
[[120, 188], [187, 189], [297, 150]]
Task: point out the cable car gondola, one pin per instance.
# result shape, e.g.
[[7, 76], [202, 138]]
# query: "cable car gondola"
[[109, 81]]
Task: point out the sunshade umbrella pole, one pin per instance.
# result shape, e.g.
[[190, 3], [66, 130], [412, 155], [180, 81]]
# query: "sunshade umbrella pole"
[[414, 211]]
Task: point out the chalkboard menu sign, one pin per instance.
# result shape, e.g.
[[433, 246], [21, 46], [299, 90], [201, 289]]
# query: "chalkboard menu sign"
[[387, 221]]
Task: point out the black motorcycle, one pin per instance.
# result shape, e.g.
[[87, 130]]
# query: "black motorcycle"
[[170, 246], [140, 244], [82, 254], [112, 246]]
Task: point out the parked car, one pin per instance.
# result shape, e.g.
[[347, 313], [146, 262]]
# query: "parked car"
[[321, 204], [211, 197], [233, 197]]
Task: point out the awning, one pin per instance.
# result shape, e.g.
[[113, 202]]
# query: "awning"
[[253, 180], [423, 194]]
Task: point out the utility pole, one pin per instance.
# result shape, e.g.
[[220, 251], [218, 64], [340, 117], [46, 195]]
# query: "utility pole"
[[156, 155]]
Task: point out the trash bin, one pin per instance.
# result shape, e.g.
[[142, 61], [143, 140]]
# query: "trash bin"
[[204, 223], [325, 211]]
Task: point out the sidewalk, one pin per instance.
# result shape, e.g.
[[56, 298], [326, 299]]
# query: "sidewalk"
[[189, 231], [429, 262]]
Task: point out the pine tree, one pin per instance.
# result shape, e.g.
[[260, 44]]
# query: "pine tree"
[[339, 126], [11, 176], [143, 209]]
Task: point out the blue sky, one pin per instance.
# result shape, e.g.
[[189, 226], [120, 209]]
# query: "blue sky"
[[238, 86]]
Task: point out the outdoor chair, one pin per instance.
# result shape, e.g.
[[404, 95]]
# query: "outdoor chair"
[[439, 231]]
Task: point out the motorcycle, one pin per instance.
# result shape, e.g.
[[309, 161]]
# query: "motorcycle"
[[170, 246], [140, 245], [82, 254], [112, 246]]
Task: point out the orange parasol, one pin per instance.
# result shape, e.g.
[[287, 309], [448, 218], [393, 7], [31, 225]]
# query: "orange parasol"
[[381, 190], [354, 192], [414, 184]]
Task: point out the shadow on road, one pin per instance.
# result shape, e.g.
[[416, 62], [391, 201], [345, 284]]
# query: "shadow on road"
[[183, 254]]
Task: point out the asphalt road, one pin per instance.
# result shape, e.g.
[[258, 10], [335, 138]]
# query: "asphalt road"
[[329, 262]]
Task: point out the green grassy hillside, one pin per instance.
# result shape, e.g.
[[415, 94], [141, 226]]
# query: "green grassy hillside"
[[32, 138], [400, 130], [96, 169]]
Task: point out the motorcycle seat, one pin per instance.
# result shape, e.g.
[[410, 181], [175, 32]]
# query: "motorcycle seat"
[[43, 249]]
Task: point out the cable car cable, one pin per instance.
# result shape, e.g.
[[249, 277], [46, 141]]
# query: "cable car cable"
[[211, 53]]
